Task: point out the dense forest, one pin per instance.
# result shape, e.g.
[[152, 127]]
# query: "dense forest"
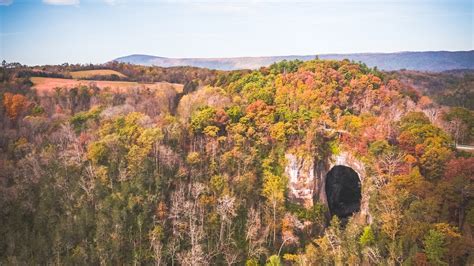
[[451, 88], [95, 176]]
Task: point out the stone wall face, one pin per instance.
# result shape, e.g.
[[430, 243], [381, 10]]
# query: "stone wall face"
[[300, 172], [307, 180]]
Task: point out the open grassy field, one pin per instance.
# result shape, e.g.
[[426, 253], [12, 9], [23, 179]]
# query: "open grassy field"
[[47, 85], [96, 72]]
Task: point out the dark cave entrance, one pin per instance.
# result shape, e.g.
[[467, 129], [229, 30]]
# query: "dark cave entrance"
[[343, 191]]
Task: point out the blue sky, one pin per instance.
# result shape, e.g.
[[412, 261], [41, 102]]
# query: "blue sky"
[[95, 31]]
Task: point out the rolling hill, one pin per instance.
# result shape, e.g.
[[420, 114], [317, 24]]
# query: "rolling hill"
[[421, 61], [97, 72]]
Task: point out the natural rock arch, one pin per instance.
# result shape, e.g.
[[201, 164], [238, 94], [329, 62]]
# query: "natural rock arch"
[[343, 191], [348, 160], [307, 180]]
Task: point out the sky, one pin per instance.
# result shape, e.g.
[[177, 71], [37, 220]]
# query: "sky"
[[36, 32]]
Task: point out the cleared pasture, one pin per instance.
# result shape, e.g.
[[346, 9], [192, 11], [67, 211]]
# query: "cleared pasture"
[[96, 72], [46, 86]]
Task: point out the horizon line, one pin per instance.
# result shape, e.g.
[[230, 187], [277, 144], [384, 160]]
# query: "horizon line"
[[243, 57]]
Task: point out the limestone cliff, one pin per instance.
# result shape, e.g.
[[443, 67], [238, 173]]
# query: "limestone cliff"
[[307, 180]]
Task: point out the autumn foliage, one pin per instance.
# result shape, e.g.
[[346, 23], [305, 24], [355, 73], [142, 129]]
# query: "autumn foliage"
[[15, 104], [90, 175]]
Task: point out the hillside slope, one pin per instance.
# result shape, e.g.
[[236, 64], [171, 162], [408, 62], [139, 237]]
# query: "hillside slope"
[[422, 61], [240, 169], [450, 88]]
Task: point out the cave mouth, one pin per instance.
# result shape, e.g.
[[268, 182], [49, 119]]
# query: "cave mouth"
[[343, 191]]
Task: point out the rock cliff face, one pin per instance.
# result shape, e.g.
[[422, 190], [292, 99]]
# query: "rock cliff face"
[[307, 180], [300, 172]]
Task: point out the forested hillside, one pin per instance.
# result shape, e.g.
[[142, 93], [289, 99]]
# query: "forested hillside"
[[93, 175], [451, 88], [421, 61]]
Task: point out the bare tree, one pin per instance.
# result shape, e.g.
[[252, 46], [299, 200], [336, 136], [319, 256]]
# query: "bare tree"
[[187, 219], [390, 162], [230, 252], [172, 248], [373, 255], [255, 234], [156, 245], [290, 223], [226, 209], [457, 129], [73, 152]]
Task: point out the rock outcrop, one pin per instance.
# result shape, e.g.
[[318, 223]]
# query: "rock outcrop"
[[300, 172], [307, 180]]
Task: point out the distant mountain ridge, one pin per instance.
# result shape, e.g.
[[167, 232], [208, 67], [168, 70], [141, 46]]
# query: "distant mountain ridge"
[[422, 61]]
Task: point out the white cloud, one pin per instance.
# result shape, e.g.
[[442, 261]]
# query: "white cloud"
[[62, 2], [110, 2], [6, 2]]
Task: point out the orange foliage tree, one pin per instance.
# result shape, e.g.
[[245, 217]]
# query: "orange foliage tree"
[[15, 104]]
